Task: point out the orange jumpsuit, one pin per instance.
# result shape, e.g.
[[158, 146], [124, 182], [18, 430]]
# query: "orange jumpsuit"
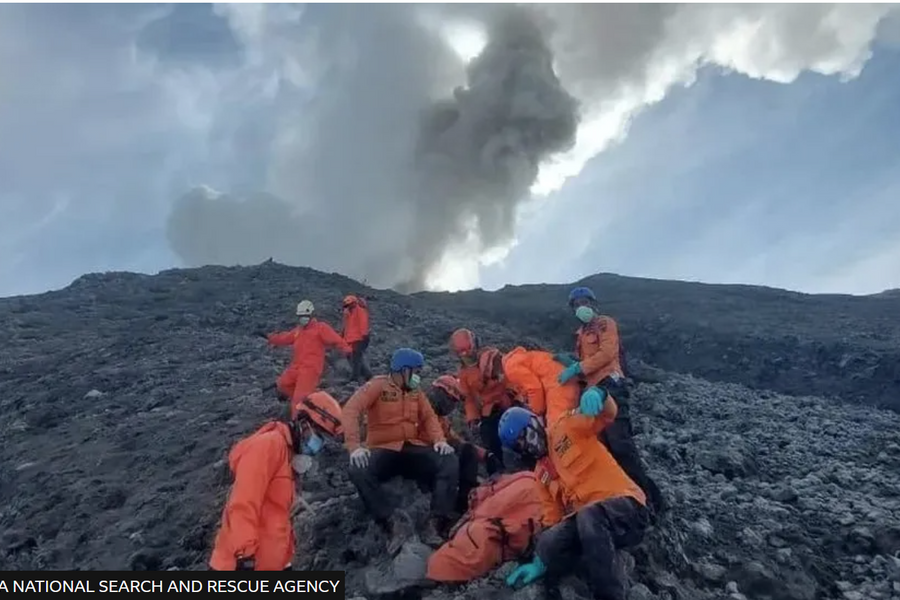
[[356, 334], [309, 342], [596, 507], [394, 417], [401, 427], [356, 322], [533, 374], [597, 347], [256, 520], [579, 470], [480, 397]]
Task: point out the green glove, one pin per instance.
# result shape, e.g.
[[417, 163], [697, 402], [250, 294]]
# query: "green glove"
[[570, 372], [564, 358], [526, 574]]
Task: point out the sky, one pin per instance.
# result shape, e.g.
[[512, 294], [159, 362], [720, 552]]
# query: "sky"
[[453, 146]]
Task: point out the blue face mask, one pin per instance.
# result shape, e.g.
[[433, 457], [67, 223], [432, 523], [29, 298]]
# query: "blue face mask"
[[414, 381], [313, 444], [304, 321], [584, 314]]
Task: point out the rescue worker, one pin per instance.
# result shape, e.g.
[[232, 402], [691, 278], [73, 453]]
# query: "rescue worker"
[[356, 334], [484, 401], [534, 376], [309, 340], [404, 437], [598, 362], [591, 506], [444, 395], [256, 533]]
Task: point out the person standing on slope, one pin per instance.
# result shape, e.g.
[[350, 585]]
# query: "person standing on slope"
[[534, 376], [404, 437], [309, 340], [591, 507], [484, 400], [256, 533], [598, 363], [356, 334], [444, 394]]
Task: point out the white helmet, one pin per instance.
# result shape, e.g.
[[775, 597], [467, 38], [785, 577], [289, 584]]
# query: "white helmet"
[[305, 309]]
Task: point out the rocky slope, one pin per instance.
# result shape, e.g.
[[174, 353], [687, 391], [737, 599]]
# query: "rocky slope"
[[830, 345], [121, 395]]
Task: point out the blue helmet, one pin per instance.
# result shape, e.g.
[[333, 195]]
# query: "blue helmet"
[[406, 358], [581, 292], [512, 423]]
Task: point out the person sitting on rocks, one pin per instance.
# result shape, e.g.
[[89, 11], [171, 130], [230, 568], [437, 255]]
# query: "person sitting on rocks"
[[598, 362], [445, 395], [591, 507], [533, 376], [356, 334], [484, 401], [404, 437], [309, 340], [256, 532]]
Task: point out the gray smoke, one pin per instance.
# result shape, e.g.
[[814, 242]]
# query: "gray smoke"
[[478, 152], [391, 173], [406, 152]]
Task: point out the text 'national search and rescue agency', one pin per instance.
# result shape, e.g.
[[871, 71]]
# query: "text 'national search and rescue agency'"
[[317, 584]]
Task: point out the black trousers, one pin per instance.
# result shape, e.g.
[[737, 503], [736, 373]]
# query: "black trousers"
[[490, 437], [438, 473], [589, 539], [618, 437], [468, 474], [358, 363]]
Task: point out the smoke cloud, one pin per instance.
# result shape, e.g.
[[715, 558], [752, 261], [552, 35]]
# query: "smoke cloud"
[[405, 154]]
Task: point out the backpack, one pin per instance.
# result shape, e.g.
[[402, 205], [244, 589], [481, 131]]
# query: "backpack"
[[505, 515]]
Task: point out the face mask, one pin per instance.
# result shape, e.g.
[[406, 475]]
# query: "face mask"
[[414, 381], [313, 444], [584, 314], [535, 441], [304, 321]]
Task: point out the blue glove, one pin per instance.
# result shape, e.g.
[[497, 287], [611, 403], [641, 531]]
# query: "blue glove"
[[592, 401], [526, 574], [564, 358], [570, 372]]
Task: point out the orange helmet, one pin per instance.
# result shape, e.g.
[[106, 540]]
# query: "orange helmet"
[[323, 411], [349, 301], [489, 364], [450, 385], [463, 342]]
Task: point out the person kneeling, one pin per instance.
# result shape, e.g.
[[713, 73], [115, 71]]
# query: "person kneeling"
[[593, 506], [404, 438]]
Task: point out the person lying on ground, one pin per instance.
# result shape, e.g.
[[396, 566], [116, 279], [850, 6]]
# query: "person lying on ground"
[[255, 533], [405, 439], [444, 395]]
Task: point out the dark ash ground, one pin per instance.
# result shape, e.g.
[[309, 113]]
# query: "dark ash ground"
[[121, 395]]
